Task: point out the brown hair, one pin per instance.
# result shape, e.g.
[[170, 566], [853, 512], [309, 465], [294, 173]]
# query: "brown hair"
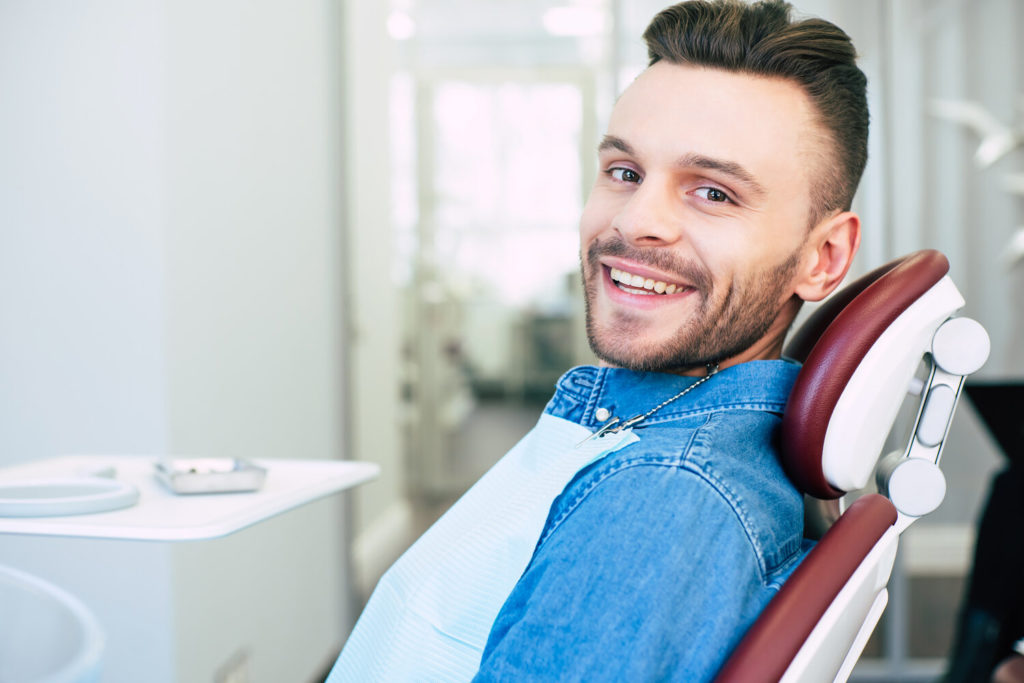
[[761, 39]]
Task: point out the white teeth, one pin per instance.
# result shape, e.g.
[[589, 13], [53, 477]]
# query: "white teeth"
[[637, 284]]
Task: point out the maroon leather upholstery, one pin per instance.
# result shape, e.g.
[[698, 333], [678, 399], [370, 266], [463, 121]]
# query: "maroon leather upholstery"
[[1011, 670], [769, 646], [831, 344], [845, 331], [803, 340]]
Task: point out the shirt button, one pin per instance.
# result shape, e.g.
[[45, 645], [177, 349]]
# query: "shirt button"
[[602, 414]]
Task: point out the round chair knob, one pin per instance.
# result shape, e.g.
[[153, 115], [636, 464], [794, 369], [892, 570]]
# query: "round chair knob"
[[960, 346], [914, 485]]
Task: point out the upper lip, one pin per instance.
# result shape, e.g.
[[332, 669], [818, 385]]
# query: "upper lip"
[[643, 271]]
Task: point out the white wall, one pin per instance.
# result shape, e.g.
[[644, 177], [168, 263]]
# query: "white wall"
[[82, 221], [169, 264], [251, 248], [170, 253]]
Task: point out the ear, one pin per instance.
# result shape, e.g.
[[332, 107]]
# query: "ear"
[[829, 253]]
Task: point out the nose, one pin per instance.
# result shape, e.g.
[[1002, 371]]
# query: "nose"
[[650, 217]]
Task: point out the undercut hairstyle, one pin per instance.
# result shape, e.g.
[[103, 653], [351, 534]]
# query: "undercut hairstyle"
[[761, 39]]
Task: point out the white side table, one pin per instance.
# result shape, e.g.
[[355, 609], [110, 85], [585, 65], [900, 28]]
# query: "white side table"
[[161, 515], [251, 594]]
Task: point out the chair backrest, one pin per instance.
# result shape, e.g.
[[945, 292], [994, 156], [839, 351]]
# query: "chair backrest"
[[861, 351], [1010, 670]]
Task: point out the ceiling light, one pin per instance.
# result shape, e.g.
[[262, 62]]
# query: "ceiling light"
[[401, 26], [574, 21]]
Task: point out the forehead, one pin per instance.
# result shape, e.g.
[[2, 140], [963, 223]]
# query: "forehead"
[[766, 125]]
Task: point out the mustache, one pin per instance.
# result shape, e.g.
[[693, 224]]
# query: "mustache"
[[688, 271]]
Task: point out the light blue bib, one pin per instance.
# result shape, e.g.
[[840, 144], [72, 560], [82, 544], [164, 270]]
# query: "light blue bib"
[[430, 615]]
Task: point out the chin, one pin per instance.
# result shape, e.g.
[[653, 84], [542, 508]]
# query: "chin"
[[614, 346]]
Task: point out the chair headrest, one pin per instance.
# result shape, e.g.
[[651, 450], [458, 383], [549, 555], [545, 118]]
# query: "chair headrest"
[[859, 352]]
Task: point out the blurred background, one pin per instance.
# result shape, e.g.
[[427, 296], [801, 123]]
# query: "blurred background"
[[345, 229]]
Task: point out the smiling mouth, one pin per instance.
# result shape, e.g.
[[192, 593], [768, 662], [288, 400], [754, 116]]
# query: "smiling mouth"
[[638, 284]]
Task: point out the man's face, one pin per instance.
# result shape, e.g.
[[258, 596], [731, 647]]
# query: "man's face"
[[692, 236]]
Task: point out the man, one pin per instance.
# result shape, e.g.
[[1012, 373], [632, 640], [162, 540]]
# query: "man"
[[640, 528]]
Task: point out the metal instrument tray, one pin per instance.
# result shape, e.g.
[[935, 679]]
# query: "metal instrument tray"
[[210, 475]]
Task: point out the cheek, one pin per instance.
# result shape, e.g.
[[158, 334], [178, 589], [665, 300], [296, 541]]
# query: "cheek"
[[734, 256], [590, 226], [598, 215], [720, 254]]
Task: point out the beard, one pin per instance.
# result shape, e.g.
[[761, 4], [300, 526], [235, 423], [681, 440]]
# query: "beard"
[[724, 324]]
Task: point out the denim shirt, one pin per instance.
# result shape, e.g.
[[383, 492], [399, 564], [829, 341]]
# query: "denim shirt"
[[656, 559]]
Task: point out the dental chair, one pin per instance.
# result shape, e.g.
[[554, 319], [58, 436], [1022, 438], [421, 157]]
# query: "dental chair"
[[1010, 670], [887, 332]]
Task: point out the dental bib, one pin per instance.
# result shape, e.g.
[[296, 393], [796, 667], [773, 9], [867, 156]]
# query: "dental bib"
[[430, 615]]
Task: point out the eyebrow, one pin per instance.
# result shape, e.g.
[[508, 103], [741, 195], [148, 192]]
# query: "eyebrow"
[[694, 160], [613, 142]]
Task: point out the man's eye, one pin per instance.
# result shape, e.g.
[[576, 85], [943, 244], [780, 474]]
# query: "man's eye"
[[713, 194], [625, 175]]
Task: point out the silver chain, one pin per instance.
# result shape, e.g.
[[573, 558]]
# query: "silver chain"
[[615, 426]]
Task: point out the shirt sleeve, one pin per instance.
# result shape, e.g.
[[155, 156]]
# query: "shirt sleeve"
[[649, 576]]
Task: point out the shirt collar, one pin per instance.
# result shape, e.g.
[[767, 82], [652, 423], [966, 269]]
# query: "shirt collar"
[[759, 385]]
